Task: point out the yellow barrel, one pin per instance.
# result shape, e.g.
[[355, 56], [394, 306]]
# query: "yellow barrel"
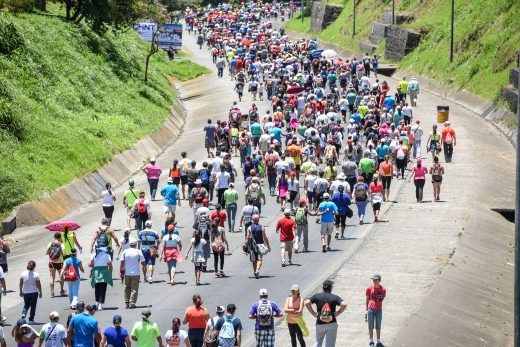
[[443, 114]]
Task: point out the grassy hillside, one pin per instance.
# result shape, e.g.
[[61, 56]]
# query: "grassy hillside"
[[70, 100], [487, 36]]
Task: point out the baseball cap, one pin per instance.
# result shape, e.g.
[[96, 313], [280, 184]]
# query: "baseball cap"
[[117, 319], [91, 307], [262, 292], [170, 180], [231, 184], [146, 314], [295, 287], [231, 307], [20, 322], [80, 304], [152, 160], [198, 181], [287, 212], [205, 202], [376, 277], [104, 220], [302, 202], [54, 314], [327, 284], [148, 223], [220, 309], [131, 182], [326, 196], [171, 227]]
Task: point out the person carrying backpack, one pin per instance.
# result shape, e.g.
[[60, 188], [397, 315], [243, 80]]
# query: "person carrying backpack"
[[256, 193], [264, 312], [302, 226], [361, 197], [326, 313], [103, 238], [449, 140], [141, 211], [229, 328], [55, 251], [211, 334]]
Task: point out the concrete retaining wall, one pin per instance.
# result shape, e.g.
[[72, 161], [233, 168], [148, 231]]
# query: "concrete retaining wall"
[[323, 15], [87, 189], [400, 18], [378, 33], [400, 42], [367, 47]]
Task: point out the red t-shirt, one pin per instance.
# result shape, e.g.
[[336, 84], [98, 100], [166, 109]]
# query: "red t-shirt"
[[375, 297], [222, 215], [286, 227], [376, 187]]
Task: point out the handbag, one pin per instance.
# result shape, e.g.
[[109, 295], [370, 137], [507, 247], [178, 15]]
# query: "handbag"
[[153, 252], [350, 213], [262, 249], [218, 245]]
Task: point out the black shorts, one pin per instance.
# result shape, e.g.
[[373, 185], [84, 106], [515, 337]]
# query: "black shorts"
[[386, 180], [4, 267], [376, 206], [184, 180], [176, 180], [297, 168], [352, 181], [343, 113], [292, 196], [340, 220], [55, 266]]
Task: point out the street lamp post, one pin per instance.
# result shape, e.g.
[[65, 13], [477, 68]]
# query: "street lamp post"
[[452, 29], [354, 20], [393, 12], [302, 5], [517, 222]]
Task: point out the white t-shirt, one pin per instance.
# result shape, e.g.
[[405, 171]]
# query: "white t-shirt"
[[182, 163], [281, 165], [177, 339], [102, 259], [334, 186], [29, 279], [215, 164], [58, 334], [107, 198], [223, 179], [310, 182], [132, 258]]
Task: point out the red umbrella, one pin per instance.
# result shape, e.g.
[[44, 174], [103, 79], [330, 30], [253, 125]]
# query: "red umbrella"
[[59, 225], [295, 90]]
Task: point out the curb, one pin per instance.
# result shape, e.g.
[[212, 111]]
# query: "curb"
[[86, 189]]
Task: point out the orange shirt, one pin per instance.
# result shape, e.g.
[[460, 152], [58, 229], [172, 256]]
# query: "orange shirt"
[[196, 317], [385, 169], [175, 173], [296, 153], [445, 132]]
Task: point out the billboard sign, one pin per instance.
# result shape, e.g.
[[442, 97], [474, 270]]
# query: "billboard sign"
[[146, 30], [170, 35]]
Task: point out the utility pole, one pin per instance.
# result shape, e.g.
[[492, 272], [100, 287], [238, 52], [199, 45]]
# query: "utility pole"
[[354, 21], [393, 12], [517, 221], [452, 28], [302, 5]]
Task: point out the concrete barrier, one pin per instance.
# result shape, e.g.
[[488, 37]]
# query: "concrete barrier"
[[323, 15], [86, 189]]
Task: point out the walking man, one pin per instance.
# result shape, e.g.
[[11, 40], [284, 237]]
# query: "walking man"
[[413, 90], [326, 314], [263, 312], [146, 332], [287, 228], [449, 140], [131, 261], [375, 294]]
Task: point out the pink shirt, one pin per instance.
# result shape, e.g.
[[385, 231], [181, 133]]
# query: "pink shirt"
[[153, 171], [420, 172]]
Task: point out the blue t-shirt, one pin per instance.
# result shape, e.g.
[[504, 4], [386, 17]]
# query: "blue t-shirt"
[[252, 312], [389, 102], [329, 216], [85, 326], [210, 130], [277, 133], [381, 151], [341, 201], [116, 336], [75, 262], [170, 193], [356, 117]]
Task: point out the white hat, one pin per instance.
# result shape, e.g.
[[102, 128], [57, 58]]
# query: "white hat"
[[287, 212], [198, 181], [341, 176], [54, 314], [262, 292], [148, 223], [326, 196]]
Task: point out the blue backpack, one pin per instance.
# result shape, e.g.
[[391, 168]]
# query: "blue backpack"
[[203, 175], [226, 336]]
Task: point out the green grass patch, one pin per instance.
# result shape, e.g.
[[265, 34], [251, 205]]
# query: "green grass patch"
[[295, 24], [70, 100], [185, 70], [486, 39]]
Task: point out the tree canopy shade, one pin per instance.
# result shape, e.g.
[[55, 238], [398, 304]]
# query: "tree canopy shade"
[[117, 14]]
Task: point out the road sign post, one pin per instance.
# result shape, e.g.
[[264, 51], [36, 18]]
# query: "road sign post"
[[517, 222]]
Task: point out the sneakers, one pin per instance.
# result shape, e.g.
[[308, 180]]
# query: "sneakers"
[[283, 263], [257, 275], [324, 249], [150, 280], [379, 344], [31, 322], [222, 274], [329, 249], [23, 315], [290, 262], [99, 307], [336, 236], [371, 344]]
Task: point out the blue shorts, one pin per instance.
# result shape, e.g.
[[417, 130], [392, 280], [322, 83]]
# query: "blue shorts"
[[374, 318], [148, 259]]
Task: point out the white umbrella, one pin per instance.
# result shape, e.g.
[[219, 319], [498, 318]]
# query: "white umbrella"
[[328, 53]]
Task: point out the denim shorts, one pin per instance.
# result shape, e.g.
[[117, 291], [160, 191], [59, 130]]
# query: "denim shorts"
[[375, 316]]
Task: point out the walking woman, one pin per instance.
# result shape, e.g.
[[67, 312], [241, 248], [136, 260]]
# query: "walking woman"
[[30, 290], [196, 317], [282, 187], [436, 170], [175, 173], [219, 245], [101, 264], [55, 251], [434, 142], [295, 322], [170, 251], [361, 196], [197, 257], [125, 244], [419, 172], [376, 197], [386, 171], [108, 202], [69, 240], [72, 284], [175, 336], [24, 335]]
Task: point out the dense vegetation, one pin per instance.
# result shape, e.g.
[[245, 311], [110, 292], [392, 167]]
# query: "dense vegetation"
[[486, 38], [69, 100]]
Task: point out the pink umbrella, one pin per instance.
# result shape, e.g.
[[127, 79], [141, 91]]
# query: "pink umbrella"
[[59, 225]]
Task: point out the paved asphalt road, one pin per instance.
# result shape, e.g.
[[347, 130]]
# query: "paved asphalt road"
[[166, 302]]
